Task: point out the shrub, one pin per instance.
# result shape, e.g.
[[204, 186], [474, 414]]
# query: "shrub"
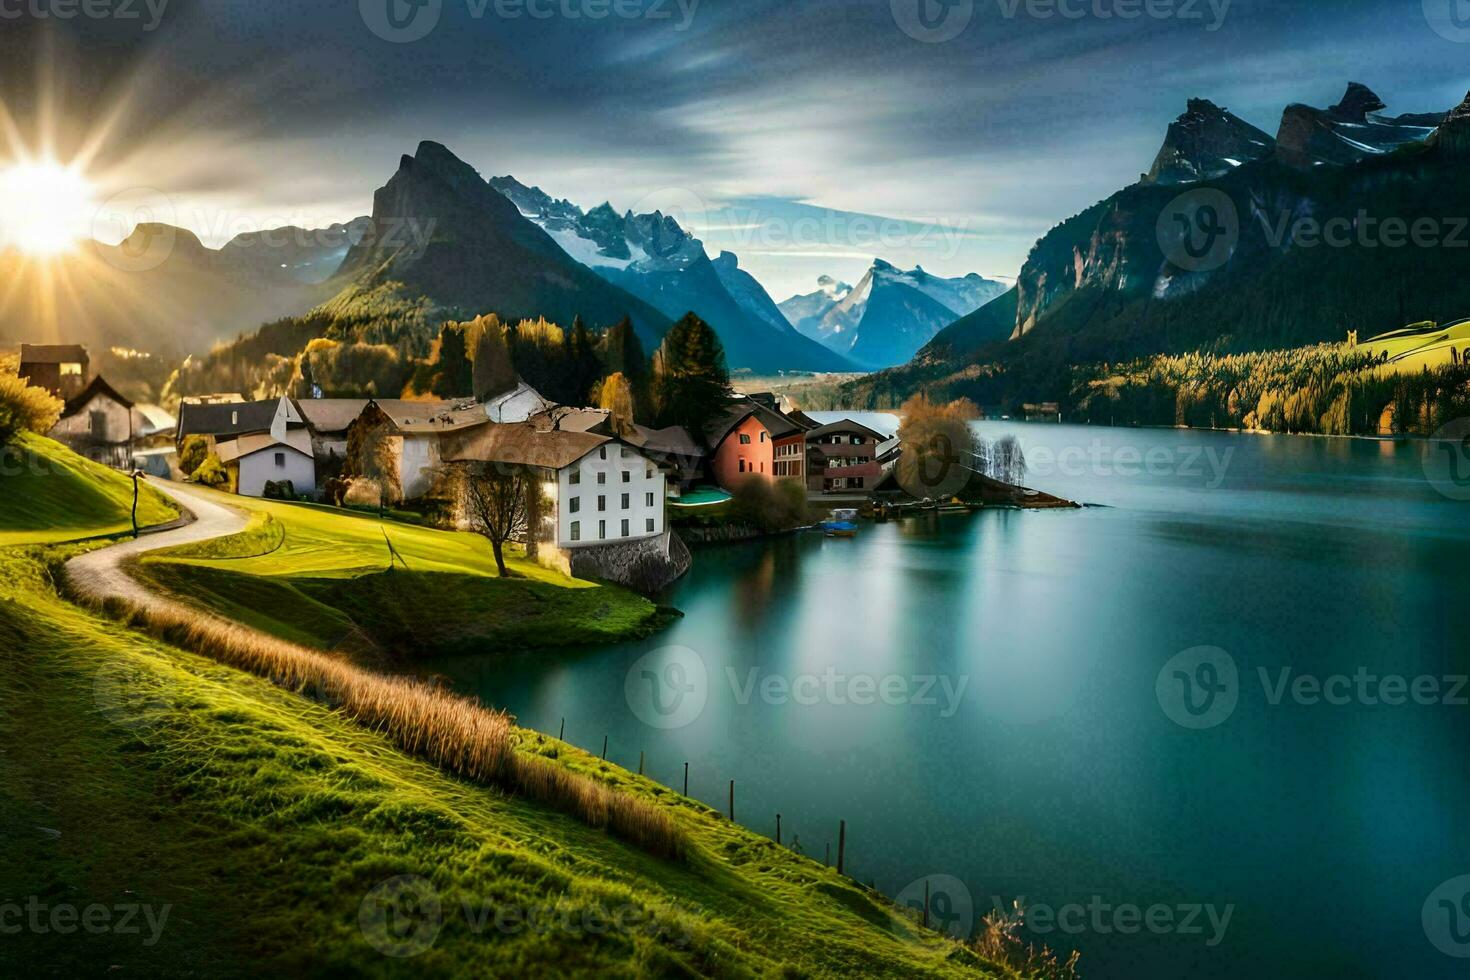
[[193, 454], [24, 408], [211, 472], [770, 505], [280, 490]]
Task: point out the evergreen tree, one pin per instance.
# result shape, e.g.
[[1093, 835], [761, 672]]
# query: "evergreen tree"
[[455, 377], [691, 378], [494, 372], [616, 397], [583, 367]]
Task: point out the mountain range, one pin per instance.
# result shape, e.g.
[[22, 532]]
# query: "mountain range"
[[161, 289], [1111, 283], [655, 259], [891, 313]]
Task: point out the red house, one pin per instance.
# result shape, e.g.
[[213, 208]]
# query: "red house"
[[754, 440], [842, 458]]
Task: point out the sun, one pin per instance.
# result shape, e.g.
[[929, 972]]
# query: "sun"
[[45, 207]]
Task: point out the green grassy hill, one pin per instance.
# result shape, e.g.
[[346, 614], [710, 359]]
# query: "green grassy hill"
[[54, 495], [257, 828], [325, 577]]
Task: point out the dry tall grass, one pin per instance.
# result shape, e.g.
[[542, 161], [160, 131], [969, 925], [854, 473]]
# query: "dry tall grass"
[[1000, 942], [454, 733]]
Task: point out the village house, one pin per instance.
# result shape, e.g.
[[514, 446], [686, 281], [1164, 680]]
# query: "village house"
[[62, 369], [412, 431], [842, 458], [594, 490], [754, 439], [100, 424], [258, 443]]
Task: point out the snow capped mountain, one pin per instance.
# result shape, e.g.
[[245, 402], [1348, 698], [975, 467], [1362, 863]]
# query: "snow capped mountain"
[[652, 257], [891, 313]]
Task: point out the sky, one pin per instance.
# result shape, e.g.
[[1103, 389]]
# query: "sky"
[[807, 136]]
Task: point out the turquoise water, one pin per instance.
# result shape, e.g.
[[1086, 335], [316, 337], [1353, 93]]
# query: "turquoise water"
[[1016, 735]]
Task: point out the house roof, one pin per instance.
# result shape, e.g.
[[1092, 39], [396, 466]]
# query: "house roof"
[[778, 425], [675, 441], [517, 405], [572, 419], [331, 414], [98, 387], [156, 418], [229, 419], [53, 354], [847, 425], [256, 442], [417, 418], [519, 444]]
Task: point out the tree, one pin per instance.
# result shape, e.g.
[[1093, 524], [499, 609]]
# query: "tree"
[[500, 504], [623, 354], [939, 452], [494, 372], [455, 376], [616, 396], [193, 454], [373, 457], [583, 367], [24, 408], [691, 377]]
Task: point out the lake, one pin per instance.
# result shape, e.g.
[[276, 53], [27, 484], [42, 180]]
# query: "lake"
[[1210, 727]]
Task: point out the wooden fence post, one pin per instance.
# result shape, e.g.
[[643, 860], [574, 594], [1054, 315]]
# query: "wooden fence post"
[[732, 801], [640, 762], [926, 904], [686, 779], [841, 844], [778, 828], [563, 736], [604, 748]]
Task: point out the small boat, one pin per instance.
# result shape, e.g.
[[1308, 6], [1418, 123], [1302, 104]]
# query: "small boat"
[[841, 523]]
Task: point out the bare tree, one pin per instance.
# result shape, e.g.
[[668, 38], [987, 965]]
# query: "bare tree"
[[499, 503]]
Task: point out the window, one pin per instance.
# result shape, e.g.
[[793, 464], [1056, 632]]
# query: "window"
[[627, 476], [623, 452], [603, 452], [648, 500], [576, 530], [742, 466], [601, 503], [857, 440], [234, 418], [602, 530], [626, 498], [575, 479], [576, 505], [763, 435], [650, 525], [744, 438], [602, 479], [649, 473], [72, 370], [280, 461], [625, 529]]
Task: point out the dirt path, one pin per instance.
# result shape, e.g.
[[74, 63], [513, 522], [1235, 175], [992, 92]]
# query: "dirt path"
[[103, 574]]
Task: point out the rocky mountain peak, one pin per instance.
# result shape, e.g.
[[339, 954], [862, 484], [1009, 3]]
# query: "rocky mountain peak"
[[1357, 102], [1453, 135], [1206, 142]]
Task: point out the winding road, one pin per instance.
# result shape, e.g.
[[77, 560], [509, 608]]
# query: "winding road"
[[103, 574]]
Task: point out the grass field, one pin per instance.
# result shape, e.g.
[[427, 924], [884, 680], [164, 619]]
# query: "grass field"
[[326, 578], [56, 496], [263, 832]]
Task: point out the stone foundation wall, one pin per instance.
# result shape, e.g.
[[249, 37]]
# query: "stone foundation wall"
[[647, 565]]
